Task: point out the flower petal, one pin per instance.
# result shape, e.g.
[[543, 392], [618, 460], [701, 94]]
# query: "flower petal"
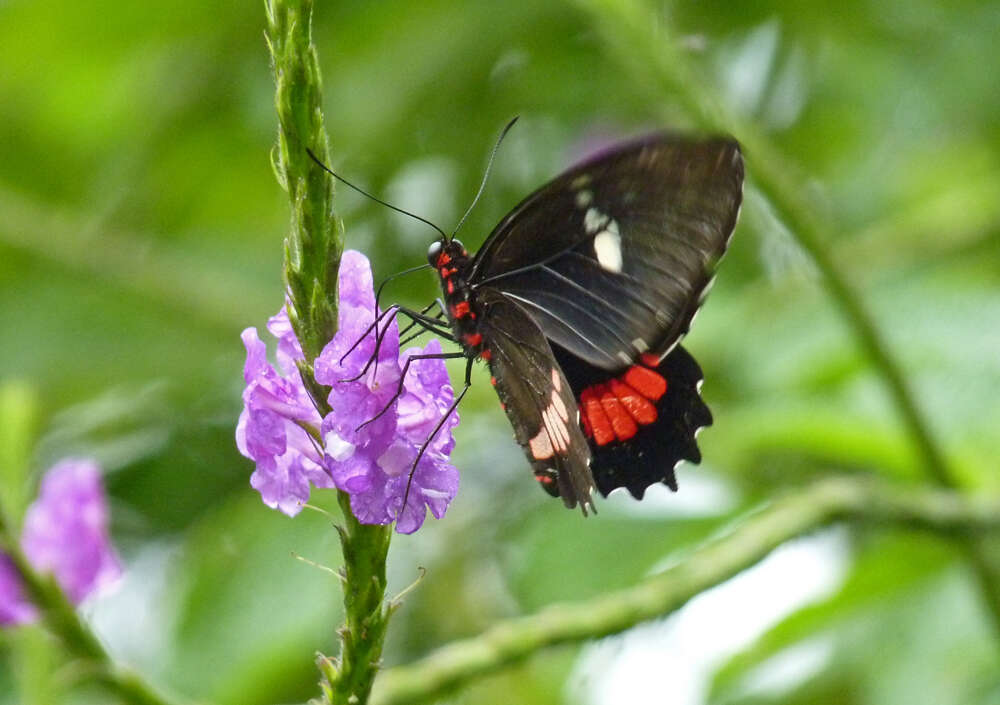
[[66, 530]]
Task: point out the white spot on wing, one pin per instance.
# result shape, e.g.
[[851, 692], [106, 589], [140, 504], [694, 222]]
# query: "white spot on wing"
[[608, 248], [594, 220], [560, 432], [640, 345], [556, 380], [583, 198], [624, 357], [559, 406], [541, 445]]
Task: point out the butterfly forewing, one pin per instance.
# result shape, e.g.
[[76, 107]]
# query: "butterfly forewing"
[[611, 259], [538, 399]]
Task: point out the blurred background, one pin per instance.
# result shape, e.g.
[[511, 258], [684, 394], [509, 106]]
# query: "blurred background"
[[141, 230]]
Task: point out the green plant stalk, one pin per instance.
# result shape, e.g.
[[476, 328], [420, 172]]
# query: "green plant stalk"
[[315, 240], [367, 616], [312, 258], [60, 618], [642, 42], [796, 514]]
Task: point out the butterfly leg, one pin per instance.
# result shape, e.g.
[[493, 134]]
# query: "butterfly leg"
[[367, 332], [447, 414], [402, 380], [381, 333], [439, 316], [433, 324], [417, 318]]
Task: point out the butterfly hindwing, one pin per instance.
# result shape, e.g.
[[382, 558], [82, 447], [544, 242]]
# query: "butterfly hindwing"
[[537, 398], [612, 258], [640, 421]]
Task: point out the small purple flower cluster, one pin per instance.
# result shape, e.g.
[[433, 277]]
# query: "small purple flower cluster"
[[294, 447], [65, 533]]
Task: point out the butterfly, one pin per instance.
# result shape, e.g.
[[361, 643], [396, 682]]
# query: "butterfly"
[[577, 302]]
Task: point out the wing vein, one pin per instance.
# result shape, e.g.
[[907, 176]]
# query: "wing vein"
[[576, 332]]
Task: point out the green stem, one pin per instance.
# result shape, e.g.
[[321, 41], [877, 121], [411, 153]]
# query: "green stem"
[[312, 259], [365, 547], [60, 618], [799, 513], [315, 241], [642, 42]]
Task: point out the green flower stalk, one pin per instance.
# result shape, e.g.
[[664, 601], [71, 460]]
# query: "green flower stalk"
[[312, 259], [316, 237]]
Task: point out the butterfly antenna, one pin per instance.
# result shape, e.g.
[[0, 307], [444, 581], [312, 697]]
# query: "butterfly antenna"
[[340, 178], [411, 270], [486, 175]]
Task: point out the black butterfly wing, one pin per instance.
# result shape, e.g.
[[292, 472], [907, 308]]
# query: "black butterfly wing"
[[539, 401], [651, 414], [612, 258]]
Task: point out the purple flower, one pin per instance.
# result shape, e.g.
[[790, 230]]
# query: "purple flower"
[[376, 469], [65, 533], [14, 606], [373, 460], [66, 529], [372, 438], [271, 430]]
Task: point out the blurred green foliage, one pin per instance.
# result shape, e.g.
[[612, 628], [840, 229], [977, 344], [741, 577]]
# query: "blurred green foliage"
[[141, 229]]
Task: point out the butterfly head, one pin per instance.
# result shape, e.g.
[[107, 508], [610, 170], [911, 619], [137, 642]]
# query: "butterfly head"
[[442, 252]]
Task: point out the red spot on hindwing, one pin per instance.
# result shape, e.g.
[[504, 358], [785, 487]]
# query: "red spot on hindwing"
[[622, 423], [647, 382], [638, 407], [615, 410], [596, 423], [486, 355], [650, 360]]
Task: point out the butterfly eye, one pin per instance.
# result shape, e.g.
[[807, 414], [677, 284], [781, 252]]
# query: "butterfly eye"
[[457, 244], [433, 252]]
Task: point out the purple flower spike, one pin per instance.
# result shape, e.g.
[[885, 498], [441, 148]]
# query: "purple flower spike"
[[369, 458], [66, 534], [372, 460], [270, 430], [66, 530]]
